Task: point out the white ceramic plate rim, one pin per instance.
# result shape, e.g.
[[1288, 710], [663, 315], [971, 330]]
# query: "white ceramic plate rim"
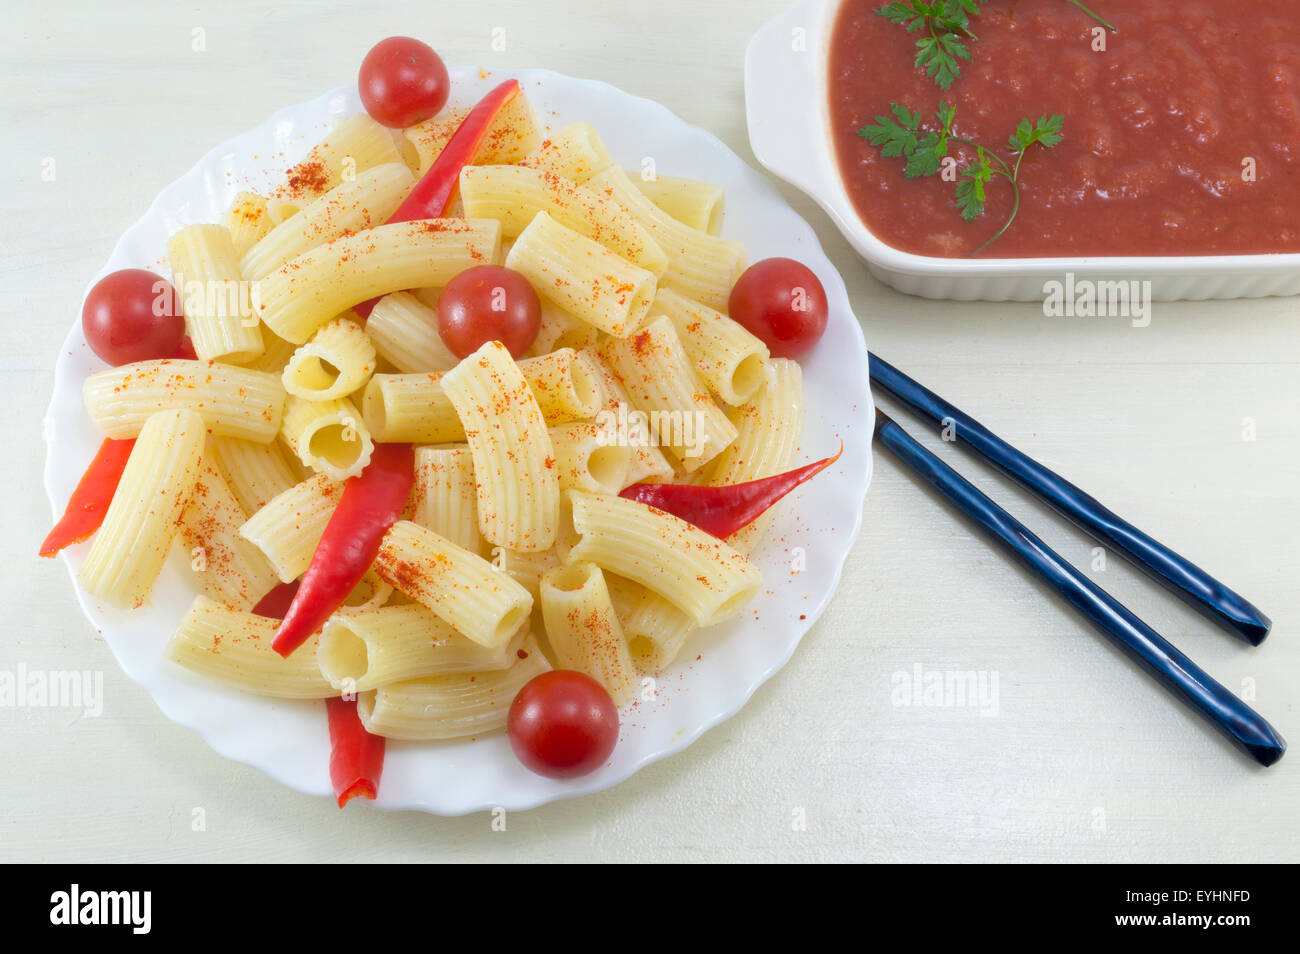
[[460, 778], [778, 97]]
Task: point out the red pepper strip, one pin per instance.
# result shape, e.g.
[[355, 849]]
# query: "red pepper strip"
[[277, 602], [371, 503], [85, 511], [724, 510], [356, 756], [429, 198]]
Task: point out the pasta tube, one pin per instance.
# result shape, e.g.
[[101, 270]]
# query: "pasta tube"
[[576, 152], [364, 651], [654, 628], [247, 221], [217, 301], [648, 461], [582, 277], [307, 291], [404, 331], [288, 528], [235, 648], [696, 572], [445, 495], [583, 629], [410, 408], [338, 360], [355, 145], [456, 706], [586, 458], [565, 384], [514, 463], [328, 436], [362, 202], [460, 587], [255, 473], [129, 549], [729, 359], [232, 570], [232, 401], [691, 202]]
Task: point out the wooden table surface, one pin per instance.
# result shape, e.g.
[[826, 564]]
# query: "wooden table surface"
[[1190, 427]]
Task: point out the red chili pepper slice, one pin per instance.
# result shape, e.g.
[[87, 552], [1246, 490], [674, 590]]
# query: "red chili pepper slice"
[[277, 602], [429, 198], [371, 503], [89, 502], [723, 510], [356, 756]]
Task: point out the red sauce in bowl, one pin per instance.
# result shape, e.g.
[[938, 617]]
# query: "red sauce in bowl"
[[1158, 128]]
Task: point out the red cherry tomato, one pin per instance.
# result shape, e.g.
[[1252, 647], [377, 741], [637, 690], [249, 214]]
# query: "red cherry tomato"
[[488, 303], [563, 724], [133, 315], [782, 302], [403, 82]]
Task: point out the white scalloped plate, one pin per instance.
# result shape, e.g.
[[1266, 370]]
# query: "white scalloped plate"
[[724, 666]]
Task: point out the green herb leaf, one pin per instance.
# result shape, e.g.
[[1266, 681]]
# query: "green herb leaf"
[[970, 187]]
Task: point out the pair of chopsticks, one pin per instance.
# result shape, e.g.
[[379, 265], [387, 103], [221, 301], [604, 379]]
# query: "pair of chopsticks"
[[1244, 727]]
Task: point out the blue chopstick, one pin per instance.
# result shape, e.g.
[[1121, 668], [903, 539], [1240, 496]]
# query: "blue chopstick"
[[1244, 727], [1224, 606]]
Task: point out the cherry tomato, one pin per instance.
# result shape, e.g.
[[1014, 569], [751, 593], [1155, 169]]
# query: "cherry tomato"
[[403, 82], [782, 302], [563, 724], [133, 315], [488, 303]]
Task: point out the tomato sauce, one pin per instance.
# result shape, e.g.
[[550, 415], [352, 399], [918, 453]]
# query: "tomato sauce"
[[1182, 137]]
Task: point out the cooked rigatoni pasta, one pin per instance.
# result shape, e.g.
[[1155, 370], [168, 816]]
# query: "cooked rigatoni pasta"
[[689, 201], [700, 266], [654, 628], [255, 473], [363, 651], [656, 371], [131, 546], [727, 356], [410, 408], [460, 587], [559, 329], [583, 629], [565, 384], [247, 221], [357, 144], [217, 301], [648, 461], [514, 463], [232, 401], [404, 331], [582, 276], [514, 195], [364, 201], [693, 570], [338, 360], [307, 291], [328, 436], [235, 648], [589, 457], [457, 706], [769, 427], [288, 528], [231, 570], [445, 497], [576, 152], [514, 551]]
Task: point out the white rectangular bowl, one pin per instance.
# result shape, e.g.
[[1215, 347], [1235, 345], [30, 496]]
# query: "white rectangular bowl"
[[788, 114]]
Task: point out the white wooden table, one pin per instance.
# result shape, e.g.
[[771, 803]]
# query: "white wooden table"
[[1085, 759]]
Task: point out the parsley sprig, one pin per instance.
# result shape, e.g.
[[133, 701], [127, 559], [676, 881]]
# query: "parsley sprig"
[[946, 28], [902, 136]]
